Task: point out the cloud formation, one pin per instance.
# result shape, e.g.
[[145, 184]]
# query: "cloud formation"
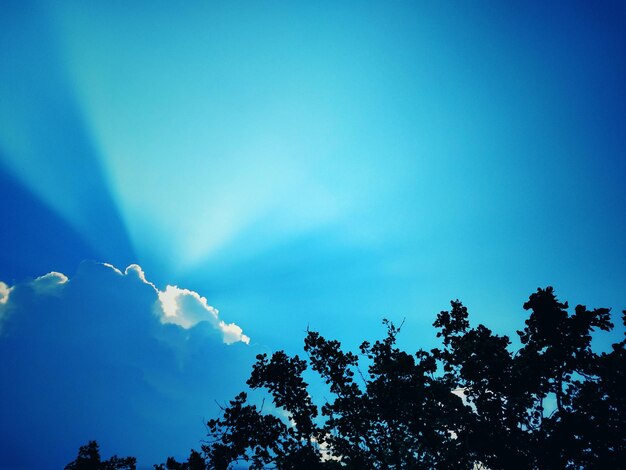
[[50, 283], [187, 308], [184, 307], [105, 354], [4, 293]]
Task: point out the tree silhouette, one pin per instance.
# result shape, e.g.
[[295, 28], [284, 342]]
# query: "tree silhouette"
[[89, 459], [552, 404], [195, 462]]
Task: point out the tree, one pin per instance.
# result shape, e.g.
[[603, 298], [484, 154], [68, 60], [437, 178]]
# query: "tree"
[[89, 459], [554, 403], [194, 462]]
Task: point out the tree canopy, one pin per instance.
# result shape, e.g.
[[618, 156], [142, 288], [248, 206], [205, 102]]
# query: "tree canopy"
[[475, 402], [89, 459]]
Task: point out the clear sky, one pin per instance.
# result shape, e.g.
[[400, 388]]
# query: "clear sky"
[[290, 164]]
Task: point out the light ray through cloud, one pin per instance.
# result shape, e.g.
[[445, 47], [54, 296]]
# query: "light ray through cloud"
[[240, 152], [322, 164], [43, 138]]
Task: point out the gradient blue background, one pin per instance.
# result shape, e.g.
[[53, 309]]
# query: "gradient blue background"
[[321, 163]]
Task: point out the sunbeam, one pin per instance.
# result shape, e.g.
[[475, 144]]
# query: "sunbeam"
[[44, 141], [292, 165]]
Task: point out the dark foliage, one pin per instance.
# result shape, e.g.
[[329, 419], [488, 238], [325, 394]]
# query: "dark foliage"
[[555, 403], [89, 459], [195, 462]]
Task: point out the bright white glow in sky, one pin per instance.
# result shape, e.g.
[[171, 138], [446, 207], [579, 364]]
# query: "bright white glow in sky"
[[229, 144], [199, 153], [311, 163]]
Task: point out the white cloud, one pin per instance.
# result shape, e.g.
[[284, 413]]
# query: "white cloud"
[[182, 307], [233, 333], [187, 308], [325, 451], [90, 355], [137, 271], [110, 266], [50, 283], [5, 291]]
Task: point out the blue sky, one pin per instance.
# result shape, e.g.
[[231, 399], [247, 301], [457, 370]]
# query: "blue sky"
[[297, 164]]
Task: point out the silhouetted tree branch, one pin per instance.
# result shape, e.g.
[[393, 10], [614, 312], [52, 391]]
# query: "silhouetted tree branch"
[[405, 414], [554, 403], [89, 459]]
